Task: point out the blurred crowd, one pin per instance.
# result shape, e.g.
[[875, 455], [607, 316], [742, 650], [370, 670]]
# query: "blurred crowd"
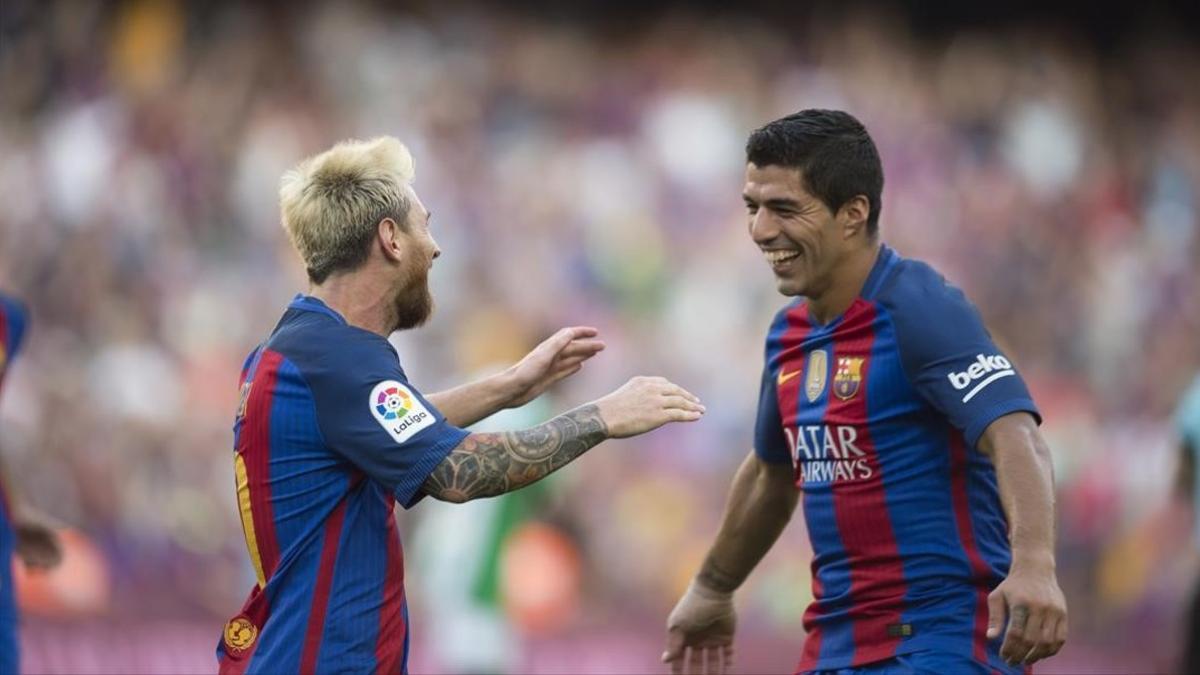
[[581, 172]]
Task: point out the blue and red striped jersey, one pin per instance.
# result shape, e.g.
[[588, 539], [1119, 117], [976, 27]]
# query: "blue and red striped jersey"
[[879, 412], [329, 436]]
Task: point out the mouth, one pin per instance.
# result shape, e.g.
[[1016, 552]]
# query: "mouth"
[[781, 259]]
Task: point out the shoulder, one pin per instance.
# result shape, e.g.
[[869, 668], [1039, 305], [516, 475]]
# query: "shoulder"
[[328, 353], [920, 301], [915, 286]]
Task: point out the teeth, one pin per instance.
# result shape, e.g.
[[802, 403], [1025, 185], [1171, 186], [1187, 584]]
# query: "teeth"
[[776, 257]]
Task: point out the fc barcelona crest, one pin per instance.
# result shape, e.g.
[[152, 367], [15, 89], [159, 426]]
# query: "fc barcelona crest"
[[848, 376]]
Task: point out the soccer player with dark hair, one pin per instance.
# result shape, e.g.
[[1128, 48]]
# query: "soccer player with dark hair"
[[22, 530], [330, 434], [886, 407]]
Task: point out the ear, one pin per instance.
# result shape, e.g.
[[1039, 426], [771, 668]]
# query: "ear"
[[853, 216], [389, 235]]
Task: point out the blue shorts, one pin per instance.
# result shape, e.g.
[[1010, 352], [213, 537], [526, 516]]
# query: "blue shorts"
[[915, 663]]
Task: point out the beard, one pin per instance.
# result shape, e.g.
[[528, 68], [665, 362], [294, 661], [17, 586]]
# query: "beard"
[[414, 303]]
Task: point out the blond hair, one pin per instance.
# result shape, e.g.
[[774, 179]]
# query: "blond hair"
[[331, 203]]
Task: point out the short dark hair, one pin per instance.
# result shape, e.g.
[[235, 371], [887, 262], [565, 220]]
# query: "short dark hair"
[[833, 151]]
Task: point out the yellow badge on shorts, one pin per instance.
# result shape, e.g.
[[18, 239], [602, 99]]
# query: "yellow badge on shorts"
[[240, 634]]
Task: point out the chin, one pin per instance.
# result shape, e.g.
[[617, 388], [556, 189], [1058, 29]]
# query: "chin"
[[789, 287]]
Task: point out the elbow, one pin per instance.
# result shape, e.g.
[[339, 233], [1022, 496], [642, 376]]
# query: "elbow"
[[453, 496]]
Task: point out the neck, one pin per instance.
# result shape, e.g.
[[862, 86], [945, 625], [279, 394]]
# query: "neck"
[[360, 299], [846, 283]]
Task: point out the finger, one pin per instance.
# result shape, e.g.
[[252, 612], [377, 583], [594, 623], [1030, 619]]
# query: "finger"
[[1050, 634], [677, 415], [996, 614], [726, 658], [567, 364], [674, 650], [564, 374], [682, 404], [1033, 631], [712, 660], [1060, 637], [577, 332], [1016, 646], [672, 389], [564, 337], [583, 348]]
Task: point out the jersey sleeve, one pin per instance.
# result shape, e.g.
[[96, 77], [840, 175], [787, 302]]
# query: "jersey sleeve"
[[769, 442], [377, 420], [15, 322], [949, 356]]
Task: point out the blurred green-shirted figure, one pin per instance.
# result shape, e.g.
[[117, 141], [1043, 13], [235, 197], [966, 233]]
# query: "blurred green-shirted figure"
[[1187, 421]]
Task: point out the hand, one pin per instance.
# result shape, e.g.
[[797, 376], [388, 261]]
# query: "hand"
[[559, 356], [645, 404], [37, 544], [1037, 616], [700, 632]]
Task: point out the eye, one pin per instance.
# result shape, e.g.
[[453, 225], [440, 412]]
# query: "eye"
[[752, 208]]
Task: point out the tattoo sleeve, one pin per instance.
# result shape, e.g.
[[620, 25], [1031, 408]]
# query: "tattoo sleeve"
[[490, 464]]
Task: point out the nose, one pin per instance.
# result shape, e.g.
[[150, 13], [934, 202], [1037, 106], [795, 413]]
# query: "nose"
[[763, 227]]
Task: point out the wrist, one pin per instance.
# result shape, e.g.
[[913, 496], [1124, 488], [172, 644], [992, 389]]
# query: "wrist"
[[506, 387], [1034, 560], [703, 589]]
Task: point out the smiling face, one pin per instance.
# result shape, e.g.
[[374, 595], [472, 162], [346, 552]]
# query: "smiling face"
[[798, 234]]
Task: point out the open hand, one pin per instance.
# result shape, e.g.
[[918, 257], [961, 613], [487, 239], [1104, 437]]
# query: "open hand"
[[645, 404], [700, 632], [1037, 616], [559, 356]]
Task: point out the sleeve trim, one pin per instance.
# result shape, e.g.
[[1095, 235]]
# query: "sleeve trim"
[[981, 421], [409, 492]]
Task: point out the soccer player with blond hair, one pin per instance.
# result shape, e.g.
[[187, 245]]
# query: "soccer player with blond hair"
[[330, 434]]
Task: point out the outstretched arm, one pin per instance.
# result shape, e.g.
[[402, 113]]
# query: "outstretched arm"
[[559, 356], [761, 502], [489, 464], [1030, 597]]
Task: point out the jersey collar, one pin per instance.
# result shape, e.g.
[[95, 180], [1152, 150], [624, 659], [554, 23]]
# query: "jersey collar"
[[308, 303], [883, 264]]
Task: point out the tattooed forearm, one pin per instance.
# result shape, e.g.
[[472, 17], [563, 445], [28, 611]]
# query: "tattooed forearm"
[[489, 464]]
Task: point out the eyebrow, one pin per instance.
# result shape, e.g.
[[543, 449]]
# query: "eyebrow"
[[776, 203]]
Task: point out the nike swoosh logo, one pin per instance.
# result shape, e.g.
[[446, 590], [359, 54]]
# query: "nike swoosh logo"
[[784, 377]]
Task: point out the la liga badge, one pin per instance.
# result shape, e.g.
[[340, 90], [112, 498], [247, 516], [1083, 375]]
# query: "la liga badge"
[[398, 410]]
